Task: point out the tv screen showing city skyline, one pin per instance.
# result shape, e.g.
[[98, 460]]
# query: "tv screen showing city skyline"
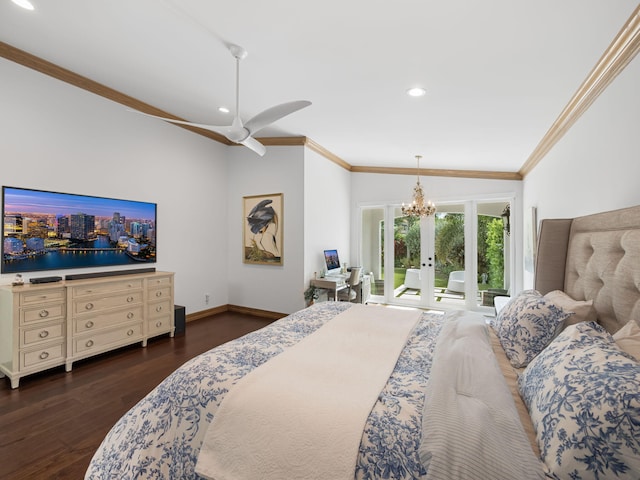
[[44, 230]]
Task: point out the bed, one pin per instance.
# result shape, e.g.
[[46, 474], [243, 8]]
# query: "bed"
[[546, 390]]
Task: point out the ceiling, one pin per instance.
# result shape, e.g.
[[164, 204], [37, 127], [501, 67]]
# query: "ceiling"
[[497, 72]]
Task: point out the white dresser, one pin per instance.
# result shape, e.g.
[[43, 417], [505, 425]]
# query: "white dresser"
[[43, 326]]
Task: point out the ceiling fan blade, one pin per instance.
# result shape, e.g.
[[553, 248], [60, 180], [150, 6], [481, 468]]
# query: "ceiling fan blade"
[[254, 145], [222, 130], [274, 114]]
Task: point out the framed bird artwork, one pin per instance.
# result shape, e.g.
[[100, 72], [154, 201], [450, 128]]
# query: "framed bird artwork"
[[262, 233]]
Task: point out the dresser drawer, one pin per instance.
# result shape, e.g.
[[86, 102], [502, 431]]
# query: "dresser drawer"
[[41, 313], [102, 303], [44, 355], [108, 287], [159, 293], [159, 325], [158, 309], [41, 334], [104, 320], [123, 335], [159, 281], [42, 296]]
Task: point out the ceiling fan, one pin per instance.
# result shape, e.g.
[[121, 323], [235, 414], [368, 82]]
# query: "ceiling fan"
[[238, 132]]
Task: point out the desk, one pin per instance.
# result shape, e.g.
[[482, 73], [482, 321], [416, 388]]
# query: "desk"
[[333, 284]]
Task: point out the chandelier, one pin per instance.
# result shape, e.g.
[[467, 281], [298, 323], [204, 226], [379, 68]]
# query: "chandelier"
[[418, 208]]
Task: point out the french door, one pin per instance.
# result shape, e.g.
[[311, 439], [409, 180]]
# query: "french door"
[[458, 258]]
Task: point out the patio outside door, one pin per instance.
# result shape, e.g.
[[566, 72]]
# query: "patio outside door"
[[400, 253], [429, 259]]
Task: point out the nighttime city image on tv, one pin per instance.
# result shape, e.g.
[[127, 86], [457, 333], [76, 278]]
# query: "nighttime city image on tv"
[[47, 230]]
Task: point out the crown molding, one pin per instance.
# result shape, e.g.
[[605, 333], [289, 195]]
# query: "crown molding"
[[430, 172], [436, 172], [319, 149], [618, 55]]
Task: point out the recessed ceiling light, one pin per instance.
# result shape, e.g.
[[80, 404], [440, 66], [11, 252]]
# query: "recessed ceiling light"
[[223, 109], [26, 4], [416, 92]]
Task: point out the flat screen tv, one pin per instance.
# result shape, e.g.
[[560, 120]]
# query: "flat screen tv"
[[44, 230]]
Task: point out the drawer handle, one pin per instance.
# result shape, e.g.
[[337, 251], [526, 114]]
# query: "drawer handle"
[[89, 324], [44, 355], [159, 308], [158, 324], [159, 293], [89, 306], [44, 297], [88, 291], [44, 334], [129, 299], [130, 315], [130, 285], [130, 332], [89, 343], [44, 313]]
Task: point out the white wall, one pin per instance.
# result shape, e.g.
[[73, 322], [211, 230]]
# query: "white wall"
[[60, 138], [595, 167], [327, 213], [266, 287]]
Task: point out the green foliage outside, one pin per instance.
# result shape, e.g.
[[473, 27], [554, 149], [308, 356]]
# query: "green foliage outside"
[[495, 253], [449, 245], [450, 248]]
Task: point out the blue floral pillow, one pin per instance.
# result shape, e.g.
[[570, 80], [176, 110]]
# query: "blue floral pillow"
[[583, 395], [527, 324], [510, 304]]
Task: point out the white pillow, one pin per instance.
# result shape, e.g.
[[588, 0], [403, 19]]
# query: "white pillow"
[[583, 310], [628, 339]]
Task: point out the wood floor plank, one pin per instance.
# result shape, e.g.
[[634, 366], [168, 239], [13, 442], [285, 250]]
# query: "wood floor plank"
[[51, 425]]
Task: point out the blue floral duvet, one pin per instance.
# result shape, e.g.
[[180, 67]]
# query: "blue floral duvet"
[[161, 436]]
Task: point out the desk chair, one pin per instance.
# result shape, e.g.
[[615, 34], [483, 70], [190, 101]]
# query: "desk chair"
[[350, 293]]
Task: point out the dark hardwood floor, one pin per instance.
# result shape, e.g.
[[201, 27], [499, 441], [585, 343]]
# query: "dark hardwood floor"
[[53, 423]]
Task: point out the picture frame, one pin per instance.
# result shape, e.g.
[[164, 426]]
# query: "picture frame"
[[263, 234]]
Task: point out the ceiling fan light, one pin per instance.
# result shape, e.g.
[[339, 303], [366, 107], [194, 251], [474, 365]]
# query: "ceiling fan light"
[[26, 4], [416, 92]]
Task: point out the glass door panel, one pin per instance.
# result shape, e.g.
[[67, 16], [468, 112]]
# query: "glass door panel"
[[450, 274], [493, 252], [407, 284], [372, 249]]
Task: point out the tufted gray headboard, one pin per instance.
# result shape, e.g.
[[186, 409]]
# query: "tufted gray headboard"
[[595, 257]]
